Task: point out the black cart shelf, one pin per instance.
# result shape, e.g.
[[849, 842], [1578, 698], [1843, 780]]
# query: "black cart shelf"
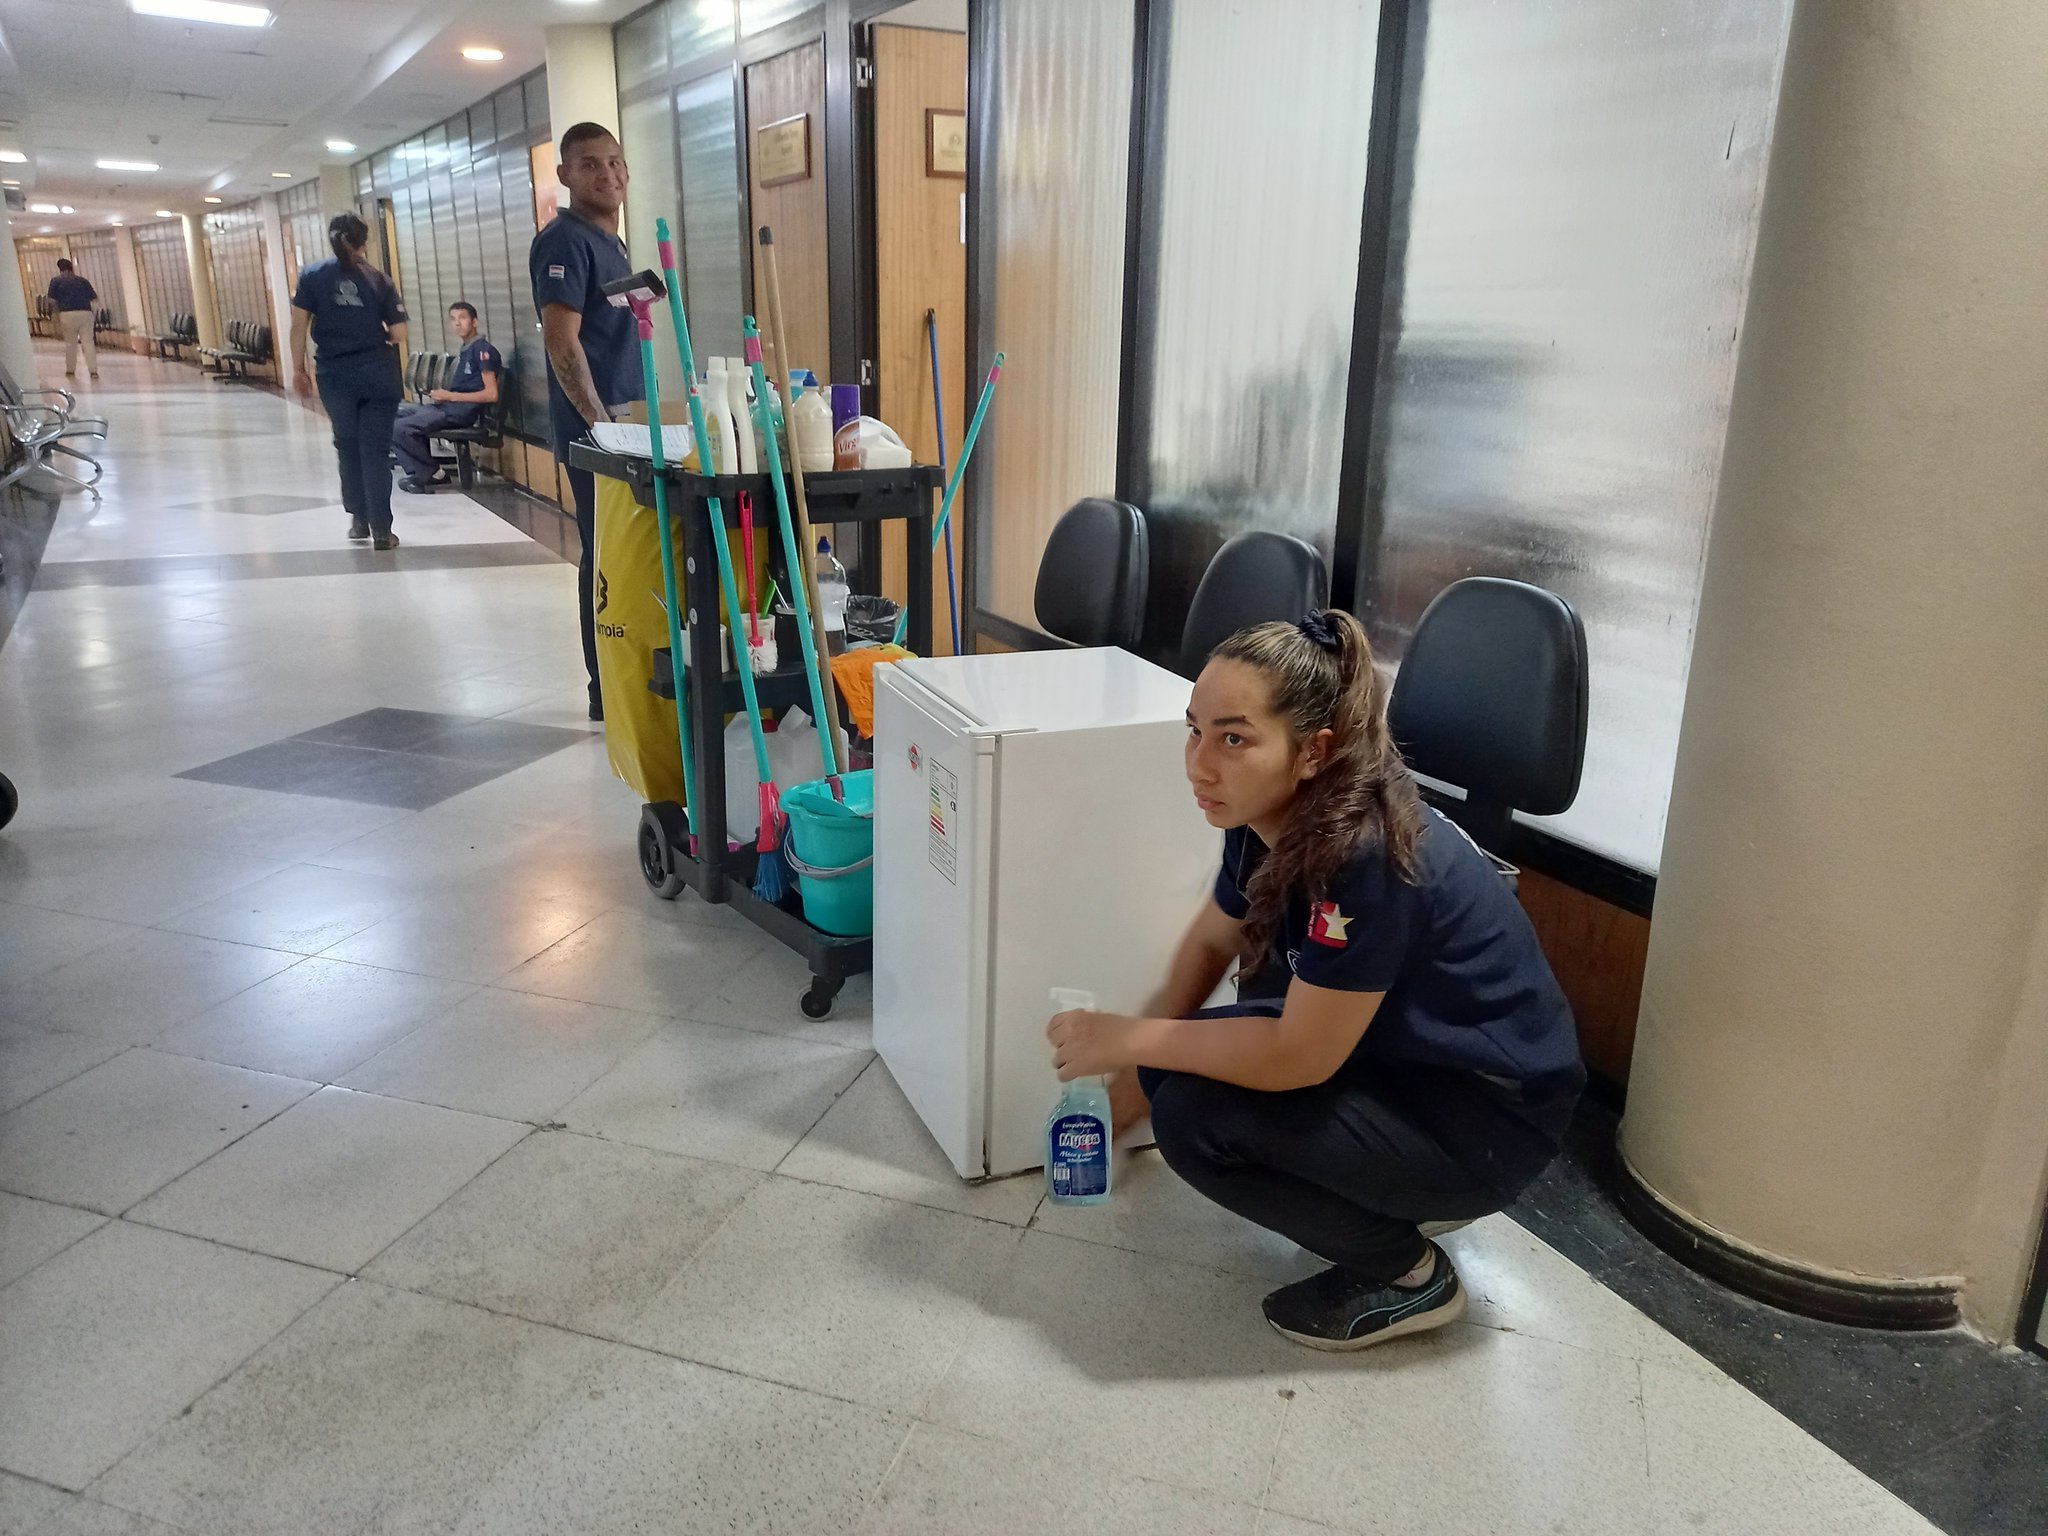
[[719, 875]]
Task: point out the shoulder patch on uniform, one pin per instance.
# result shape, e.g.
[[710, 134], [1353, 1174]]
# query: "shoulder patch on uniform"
[[558, 271], [1329, 926]]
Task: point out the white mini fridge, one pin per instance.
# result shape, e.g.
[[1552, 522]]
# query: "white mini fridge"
[[1033, 829]]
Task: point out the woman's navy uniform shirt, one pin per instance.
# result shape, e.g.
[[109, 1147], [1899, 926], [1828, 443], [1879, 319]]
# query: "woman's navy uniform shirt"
[[1467, 987], [350, 307]]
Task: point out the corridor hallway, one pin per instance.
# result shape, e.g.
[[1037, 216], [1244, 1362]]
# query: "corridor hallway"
[[378, 1154]]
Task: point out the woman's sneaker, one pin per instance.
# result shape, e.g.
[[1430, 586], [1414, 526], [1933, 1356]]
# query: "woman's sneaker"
[[1341, 1309]]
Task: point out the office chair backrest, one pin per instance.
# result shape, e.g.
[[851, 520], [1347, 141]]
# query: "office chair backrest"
[[1491, 697], [1254, 578], [1093, 575]]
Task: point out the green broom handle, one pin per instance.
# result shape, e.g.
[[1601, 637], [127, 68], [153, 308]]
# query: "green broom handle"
[[988, 393], [668, 567], [826, 724], [742, 662]]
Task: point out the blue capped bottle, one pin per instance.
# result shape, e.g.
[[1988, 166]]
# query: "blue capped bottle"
[[1077, 1131]]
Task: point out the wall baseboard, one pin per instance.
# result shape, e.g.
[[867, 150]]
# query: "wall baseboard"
[[1914, 1305]]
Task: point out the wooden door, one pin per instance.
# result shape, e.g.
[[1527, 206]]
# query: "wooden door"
[[786, 192], [920, 263]]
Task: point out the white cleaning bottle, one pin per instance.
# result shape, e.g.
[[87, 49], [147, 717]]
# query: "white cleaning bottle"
[[811, 428], [1078, 1129], [742, 783], [742, 415], [724, 431]]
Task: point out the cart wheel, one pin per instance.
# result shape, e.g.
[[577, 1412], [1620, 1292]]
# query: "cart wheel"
[[817, 1002], [654, 863], [10, 802]]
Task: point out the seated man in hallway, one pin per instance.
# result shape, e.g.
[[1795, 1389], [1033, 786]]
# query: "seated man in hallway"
[[478, 372]]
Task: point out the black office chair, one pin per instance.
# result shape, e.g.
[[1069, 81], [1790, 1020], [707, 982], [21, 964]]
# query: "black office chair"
[[1491, 698], [1255, 578], [1093, 575]]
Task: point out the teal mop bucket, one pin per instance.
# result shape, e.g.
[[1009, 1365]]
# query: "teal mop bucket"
[[831, 846]]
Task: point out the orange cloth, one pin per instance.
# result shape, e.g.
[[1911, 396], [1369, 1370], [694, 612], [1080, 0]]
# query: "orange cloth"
[[854, 673]]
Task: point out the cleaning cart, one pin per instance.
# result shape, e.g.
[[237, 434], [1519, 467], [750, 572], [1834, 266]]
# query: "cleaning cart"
[[674, 855]]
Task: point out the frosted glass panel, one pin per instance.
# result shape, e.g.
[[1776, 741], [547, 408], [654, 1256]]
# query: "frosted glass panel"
[[712, 239], [1579, 229], [93, 255], [1258, 279], [1062, 140], [697, 28], [640, 47], [166, 279], [647, 132]]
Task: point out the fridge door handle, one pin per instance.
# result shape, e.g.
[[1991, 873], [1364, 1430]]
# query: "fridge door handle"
[[937, 706]]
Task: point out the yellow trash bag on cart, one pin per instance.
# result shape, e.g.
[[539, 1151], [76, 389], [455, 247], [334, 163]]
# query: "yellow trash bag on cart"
[[631, 625]]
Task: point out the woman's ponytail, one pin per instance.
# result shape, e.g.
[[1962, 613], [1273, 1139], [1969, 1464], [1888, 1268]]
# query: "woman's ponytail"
[[348, 235], [1323, 677]]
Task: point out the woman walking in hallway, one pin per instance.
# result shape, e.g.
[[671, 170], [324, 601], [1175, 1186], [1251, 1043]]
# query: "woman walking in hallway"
[[357, 322], [1400, 1059]]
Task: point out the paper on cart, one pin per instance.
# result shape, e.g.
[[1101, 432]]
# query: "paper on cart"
[[630, 437]]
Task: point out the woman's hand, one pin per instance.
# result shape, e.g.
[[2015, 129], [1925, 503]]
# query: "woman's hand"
[[302, 381], [1087, 1044]]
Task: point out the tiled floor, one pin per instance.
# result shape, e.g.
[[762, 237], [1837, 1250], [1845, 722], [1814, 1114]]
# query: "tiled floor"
[[372, 1167]]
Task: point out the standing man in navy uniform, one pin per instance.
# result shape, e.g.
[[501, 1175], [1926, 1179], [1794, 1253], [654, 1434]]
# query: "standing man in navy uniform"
[[474, 386], [593, 347]]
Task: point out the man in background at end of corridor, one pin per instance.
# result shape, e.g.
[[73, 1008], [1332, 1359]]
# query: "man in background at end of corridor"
[[593, 348], [74, 298]]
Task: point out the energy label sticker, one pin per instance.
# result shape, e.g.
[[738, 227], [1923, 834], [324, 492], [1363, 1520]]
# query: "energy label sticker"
[[945, 815]]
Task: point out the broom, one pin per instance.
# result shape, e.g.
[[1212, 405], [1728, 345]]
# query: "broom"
[[988, 393], [770, 881], [931, 331]]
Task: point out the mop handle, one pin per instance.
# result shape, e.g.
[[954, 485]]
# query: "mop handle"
[[988, 393], [645, 319], [931, 331], [778, 339], [726, 584], [747, 558], [825, 723]]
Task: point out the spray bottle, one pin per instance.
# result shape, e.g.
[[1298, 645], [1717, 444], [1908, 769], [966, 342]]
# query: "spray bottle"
[[1077, 1131]]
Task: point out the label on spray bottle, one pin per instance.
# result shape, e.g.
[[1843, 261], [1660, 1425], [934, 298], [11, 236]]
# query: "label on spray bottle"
[[1077, 1133]]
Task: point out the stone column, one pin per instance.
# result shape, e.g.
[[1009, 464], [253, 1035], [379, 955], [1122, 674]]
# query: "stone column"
[[133, 299], [200, 268], [17, 346], [1837, 1091], [583, 78]]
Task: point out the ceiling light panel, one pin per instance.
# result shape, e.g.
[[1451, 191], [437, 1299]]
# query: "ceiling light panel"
[[127, 165], [216, 11]]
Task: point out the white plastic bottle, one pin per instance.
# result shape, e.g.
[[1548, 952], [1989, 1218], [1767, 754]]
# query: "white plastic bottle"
[[810, 429], [742, 783], [1077, 1132], [718, 403], [833, 592], [742, 415]]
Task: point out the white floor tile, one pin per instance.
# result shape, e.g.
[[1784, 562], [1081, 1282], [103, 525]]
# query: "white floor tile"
[[316, 1020], [334, 1180], [34, 940], [34, 1230], [946, 1483], [33, 1061], [432, 847], [1514, 1280], [872, 1140], [490, 929], [89, 1517], [1468, 1429], [136, 988], [1152, 1211], [567, 1230], [663, 1445], [376, 1401], [303, 909], [662, 962], [129, 1126], [118, 1333], [1094, 1354], [1724, 1463], [841, 1293], [25, 1505], [763, 994], [516, 1055], [124, 876], [726, 1094]]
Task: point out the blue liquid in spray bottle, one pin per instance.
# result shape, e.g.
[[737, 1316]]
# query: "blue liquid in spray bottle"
[[1077, 1130]]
